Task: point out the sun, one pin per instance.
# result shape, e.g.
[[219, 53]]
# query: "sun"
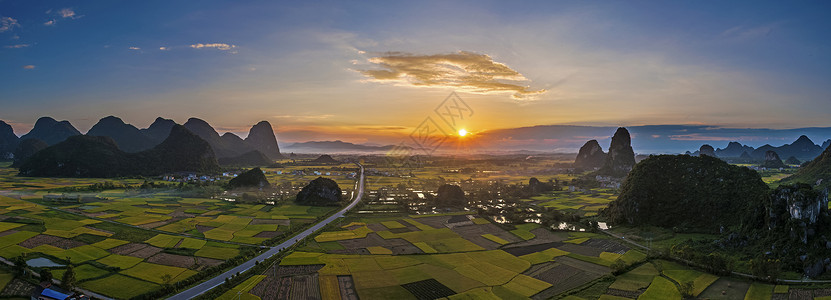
[[462, 132]]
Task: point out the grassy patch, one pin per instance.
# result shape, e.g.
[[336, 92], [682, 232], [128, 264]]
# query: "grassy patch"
[[661, 289], [392, 224], [486, 273], [155, 272], [543, 256], [301, 258], [702, 282], [192, 243], [759, 291], [591, 259], [109, 243], [241, 290], [523, 231], [526, 286], [636, 279], [495, 239], [119, 286], [633, 257], [120, 261], [781, 289], [577, 241], [217, 252]]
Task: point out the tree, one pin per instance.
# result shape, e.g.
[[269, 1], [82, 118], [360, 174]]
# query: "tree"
[[618, 266], [686, 289], [68, 280], [766, 268], [20, 265], [46, 275], [450, 196]]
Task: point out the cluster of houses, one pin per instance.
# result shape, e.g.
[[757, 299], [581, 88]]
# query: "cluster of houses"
[[606, 182], [316, 173], [193, 177]]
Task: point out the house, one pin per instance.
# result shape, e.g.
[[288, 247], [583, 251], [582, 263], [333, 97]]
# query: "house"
[[47, 291], [459, 220]]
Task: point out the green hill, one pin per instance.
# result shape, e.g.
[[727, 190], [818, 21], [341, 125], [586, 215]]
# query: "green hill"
[[815, 172], [699, 194]]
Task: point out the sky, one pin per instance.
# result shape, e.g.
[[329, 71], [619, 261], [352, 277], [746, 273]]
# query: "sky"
[[373, 71]]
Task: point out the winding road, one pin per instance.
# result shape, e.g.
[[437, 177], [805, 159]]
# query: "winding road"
[[220, 279]]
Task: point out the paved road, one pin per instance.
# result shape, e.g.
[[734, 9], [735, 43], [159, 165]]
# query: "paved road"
[[220, 279]]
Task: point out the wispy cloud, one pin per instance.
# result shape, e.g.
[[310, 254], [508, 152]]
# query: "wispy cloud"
[[29, 67], [64, 13], [8, 23], [746, 33], [134, 48], [68, 13], [463, 70], [18, 46], [218, 46]]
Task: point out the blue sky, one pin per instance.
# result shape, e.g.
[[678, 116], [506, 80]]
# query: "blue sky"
[[754, 64]]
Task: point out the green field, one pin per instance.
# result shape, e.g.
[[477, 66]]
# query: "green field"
[[121, 287]]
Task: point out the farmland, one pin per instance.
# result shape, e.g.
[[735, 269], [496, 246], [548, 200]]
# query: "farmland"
[[124, 243], [148, 239], [427, 258]]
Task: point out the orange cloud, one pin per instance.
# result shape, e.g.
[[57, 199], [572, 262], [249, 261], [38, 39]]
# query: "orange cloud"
[[465, 71]]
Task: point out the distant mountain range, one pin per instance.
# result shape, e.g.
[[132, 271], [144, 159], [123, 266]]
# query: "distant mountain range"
[[100, 156], [334, 147], [130, 139], [803, 148], [646, 139]]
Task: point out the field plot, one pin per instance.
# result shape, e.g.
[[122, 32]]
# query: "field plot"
[[111, 259], [451, 265], [583, 203], [661, 288], [9, 181], [208, 218], [241, 291], [726, 288]]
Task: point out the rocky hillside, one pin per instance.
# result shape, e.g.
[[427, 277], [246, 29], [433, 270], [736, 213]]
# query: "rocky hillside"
[[707, 150], [262, 138], [590, 155], [252, 158], [698, 194], [320, 192], [772, 160], [621, 158], [126, 136], [26, 149], [253, 178], [159, 130], [816, 172], [51, 131], [8, 141]]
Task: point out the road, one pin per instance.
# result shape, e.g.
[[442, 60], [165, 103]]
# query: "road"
[[220, 279]]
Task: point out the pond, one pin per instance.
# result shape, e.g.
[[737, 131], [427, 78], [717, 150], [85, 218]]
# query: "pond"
[[42, 262]]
